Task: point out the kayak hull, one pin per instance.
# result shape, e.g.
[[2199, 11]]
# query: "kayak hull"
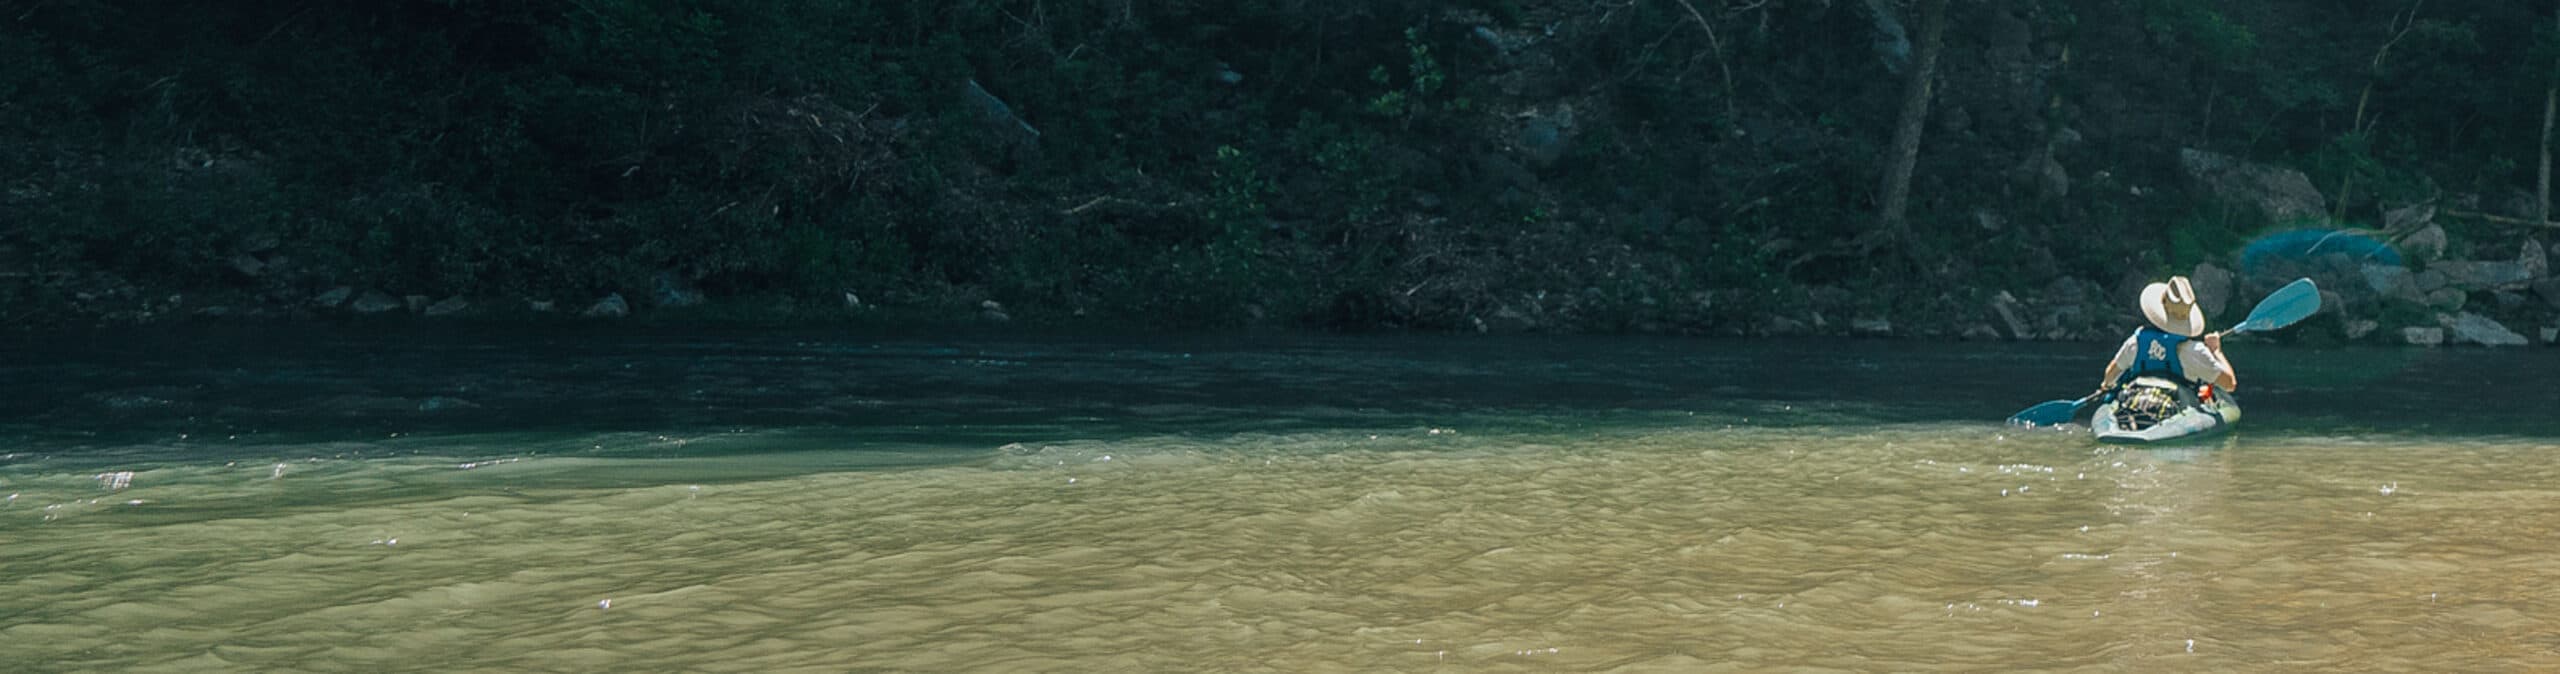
[[2151, 409]]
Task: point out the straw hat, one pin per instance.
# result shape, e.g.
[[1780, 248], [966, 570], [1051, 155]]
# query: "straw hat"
[[2172, 306]]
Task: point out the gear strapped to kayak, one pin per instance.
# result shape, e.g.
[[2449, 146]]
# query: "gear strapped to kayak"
[[2153, 409]]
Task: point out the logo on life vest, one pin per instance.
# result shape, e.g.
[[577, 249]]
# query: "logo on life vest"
[[2159, 351]]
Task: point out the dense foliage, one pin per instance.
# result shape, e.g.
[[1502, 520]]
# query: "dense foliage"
[[1645, 164]]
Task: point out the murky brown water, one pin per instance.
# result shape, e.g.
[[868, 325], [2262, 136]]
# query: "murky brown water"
[[1750, 536]]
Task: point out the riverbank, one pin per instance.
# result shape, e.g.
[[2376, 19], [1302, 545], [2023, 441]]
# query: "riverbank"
[[1498, 167]]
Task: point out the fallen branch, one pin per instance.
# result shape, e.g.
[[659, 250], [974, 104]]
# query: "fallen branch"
[[1107, 200], [2501, 219]]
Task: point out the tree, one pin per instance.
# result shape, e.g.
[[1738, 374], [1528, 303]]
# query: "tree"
[[2550, 104], [1895, 194]]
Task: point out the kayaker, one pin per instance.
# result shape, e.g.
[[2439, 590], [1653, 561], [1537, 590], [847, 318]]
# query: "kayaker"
[[2170, 346]]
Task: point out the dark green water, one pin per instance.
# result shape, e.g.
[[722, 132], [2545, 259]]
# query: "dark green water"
[[742, 501]]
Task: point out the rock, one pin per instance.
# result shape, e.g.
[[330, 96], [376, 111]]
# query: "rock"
[[612, 306], [2429, 281], [334, 297], [248, 265], [1787, 327], [442, 403], [2509, 300], [2420, 336], [993, 312], [374, 302], [2394, 282], [2537, 265], [1509, 320], [2426, 244], [2411, 217], [672, 292], [2447, 299], [1891, 42], [2051, 181], [2549, 289], [539, 306], [2281, 193], [2551, 335], [2358, 328], [416, 303], [448, 306], [2213, 287], [1872, 327], [2478, 329], [1981, 332], [852, 301], [1546, 138], [1989, 220], [2472, 275], [2006, 306]]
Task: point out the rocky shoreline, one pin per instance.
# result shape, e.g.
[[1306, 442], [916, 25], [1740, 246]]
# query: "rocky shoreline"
[[2511, 302]]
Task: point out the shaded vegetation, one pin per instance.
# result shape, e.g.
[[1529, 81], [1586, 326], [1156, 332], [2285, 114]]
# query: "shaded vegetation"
[[1649, 165]]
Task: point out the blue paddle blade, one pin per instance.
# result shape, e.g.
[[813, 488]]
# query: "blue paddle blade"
[[2050, 412], [2287, 305]]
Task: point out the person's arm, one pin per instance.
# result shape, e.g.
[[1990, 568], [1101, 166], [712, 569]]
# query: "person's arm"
[[2223, 377], [2116, 366]]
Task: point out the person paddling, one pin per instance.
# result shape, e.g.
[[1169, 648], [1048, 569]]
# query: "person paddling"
[[2170, 347]]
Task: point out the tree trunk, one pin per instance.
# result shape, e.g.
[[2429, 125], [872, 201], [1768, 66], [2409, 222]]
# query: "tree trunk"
[[1895, 194], [2550, 102], [2542, 178]]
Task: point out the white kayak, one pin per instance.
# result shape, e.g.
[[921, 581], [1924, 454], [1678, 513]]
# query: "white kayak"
[[2153, 409]]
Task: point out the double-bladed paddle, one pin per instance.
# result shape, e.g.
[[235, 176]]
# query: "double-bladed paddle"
[[2286, 306]]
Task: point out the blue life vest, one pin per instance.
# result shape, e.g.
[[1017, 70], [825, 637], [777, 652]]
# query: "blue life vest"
[[2155, 353]]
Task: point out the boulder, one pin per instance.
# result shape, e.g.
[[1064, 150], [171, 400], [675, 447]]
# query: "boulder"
[[2006, 307], [448, 306], [2430, 280], [248, 265], [612, 306], [992, 312], [2447, 299], [2281, 193], [334, 297], [1980, 332], [2358, 328], [1547, 137], [1872, 327], [2475, 275], [2393, 282], [2481, 330], [2426, 244], [539, 306], [1509, 320], [2551, 334], [2411, 217], [673, 292], [374, 302], [2549, 289], [2213, 287], [2422, 336], [416, 303]]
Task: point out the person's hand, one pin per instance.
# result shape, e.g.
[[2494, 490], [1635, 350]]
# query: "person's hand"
[[2213, 340]]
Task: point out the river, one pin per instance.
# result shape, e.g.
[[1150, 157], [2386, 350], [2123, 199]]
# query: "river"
[[732, 500]]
